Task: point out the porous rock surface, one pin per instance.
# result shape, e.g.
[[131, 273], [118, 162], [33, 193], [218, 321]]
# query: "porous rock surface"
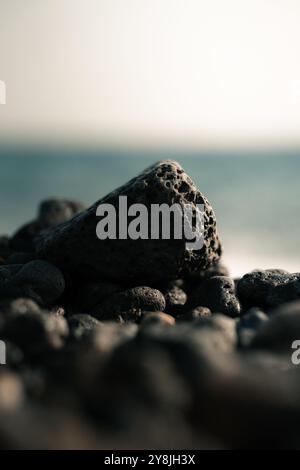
[[269, 288], [74, 246]]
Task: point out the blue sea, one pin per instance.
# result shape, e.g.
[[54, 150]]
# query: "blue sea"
[[256, 196]]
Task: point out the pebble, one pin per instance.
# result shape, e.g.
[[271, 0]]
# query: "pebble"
[[35, 332], [218, 294], [269, 288], [175, 298], [128, 305], [38, 280], [249, 324]]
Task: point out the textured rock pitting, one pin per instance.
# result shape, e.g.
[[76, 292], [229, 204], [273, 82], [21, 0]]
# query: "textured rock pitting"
[[74, 247], [269, 288]]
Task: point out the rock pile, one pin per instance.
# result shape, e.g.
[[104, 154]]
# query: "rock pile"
[[142, 343]]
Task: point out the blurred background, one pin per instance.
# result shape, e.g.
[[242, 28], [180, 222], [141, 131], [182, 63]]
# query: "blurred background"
[[98, 89]]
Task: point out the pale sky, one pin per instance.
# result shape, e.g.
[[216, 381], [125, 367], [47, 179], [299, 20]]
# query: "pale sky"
[[210, 73]]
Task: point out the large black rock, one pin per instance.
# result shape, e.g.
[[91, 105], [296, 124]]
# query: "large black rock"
[[74, 247]]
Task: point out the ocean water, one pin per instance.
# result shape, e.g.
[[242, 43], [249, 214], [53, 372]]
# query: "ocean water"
[[256, 197]]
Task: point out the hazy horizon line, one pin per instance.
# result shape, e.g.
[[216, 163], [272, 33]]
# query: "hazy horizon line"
[[152, 148]]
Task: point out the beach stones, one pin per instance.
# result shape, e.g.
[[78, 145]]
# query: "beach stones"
[[129, 304], [269, 288], [74, 247], [38, 280], [218, 294], [50, 213], [144, 341]]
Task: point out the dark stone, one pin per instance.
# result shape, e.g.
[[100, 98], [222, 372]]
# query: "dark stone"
[[281, 330], [108, 336], [221, 326], [14, 356], [4, 248], [55, 211], [284, 293], [74, 246], [36, 332], [128, 305], [249, 324], [194, 347], [138, 380], [50, 213], [175, 299], [38, 280], [268, 289], [7, 272], [81, 325], [218, 294], [20, 258], [93, 293], [253, 319], [22, 240]]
